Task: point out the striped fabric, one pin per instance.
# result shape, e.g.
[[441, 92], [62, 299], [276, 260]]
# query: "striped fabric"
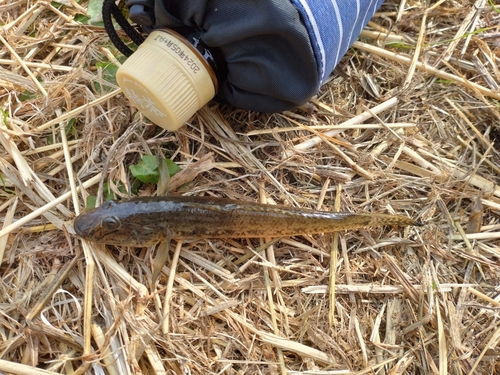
[[333, 25]]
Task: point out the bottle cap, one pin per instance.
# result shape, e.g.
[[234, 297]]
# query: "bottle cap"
[[167, 79]]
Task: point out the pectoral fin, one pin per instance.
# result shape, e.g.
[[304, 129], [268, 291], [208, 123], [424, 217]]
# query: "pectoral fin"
[[161, 257]]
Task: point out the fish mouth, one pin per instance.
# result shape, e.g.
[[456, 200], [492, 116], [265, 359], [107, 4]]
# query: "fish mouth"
[[87, 231], [82, 229]]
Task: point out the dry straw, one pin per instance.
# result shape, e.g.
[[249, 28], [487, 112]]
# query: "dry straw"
[[408, 124]]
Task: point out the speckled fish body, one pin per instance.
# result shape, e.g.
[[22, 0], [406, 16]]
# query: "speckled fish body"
[[144, 221]]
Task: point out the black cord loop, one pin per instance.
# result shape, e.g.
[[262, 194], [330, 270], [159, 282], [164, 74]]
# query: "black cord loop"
[[109, 8]]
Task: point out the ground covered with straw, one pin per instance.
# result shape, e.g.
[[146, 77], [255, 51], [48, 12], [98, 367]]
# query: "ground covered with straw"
[[408, 124]]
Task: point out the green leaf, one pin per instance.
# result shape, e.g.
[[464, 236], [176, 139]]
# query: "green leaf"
[[92, 199], [90, 202], [94, 11], [4, 115], [134, 189], [172, 167], [70, 128], [147, 169], [108, 71], [108, 74], [27, 95], [109, 193], [82, 19], [2, 180]]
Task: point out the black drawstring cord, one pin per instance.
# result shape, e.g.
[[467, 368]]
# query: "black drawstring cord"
[[109, 8]]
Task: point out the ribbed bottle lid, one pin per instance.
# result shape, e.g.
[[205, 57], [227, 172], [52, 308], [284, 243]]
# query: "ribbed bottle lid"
[[167, 79]]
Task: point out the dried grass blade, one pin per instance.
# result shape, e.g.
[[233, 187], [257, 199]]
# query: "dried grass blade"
[[87, 306], [355, 120], [491, 344], [43, 210], [443, 351], [188, 173], [75, 112], [19, 369], [69, 167], [13, 176], [332, 280], [331, 143], [375, 289], [426, 68], [49, 291], [208, 265], [458, 37], [340, 128], [272, 312], [22, 166], [484, 297], [24, 66], [169, 290], [120, 273], [156, 360], [401, 277], [30, 64], [107, 356], [296, 347], [237, 149], [6, 222]]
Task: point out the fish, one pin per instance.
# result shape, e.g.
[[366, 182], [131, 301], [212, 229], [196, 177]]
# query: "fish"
[[145, 221]]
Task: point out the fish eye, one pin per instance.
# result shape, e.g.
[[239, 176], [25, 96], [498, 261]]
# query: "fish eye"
[[108, 204], [110, 223]]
